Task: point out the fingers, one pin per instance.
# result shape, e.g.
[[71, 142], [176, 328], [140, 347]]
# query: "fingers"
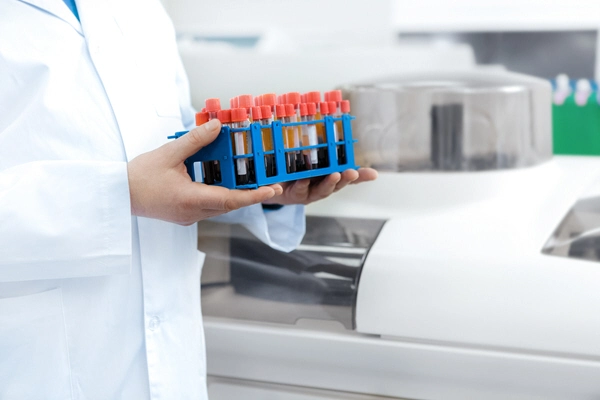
[[348, 176], [189, 144], [324, 188], [366, 175], [225, 200]]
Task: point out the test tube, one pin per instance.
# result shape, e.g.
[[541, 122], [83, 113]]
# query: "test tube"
[[562, 90], [239, 119], [212, 107], [583, 89], [245, 101], [293, 98], [323, 109], [288, 138], [270, 99], [309, 131], [267, 139], [208, 175], [338, 129]]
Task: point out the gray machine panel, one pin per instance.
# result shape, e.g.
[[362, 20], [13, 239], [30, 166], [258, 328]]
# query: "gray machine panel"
[[246, 279]]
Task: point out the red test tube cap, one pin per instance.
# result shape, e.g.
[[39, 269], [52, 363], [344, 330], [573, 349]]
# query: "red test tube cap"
[[280, 110], [258, 101], [324, 107], [332, 106], [311, 108], [334, 95], [256, 113], [269, 99], [224, 116], [303, 97], [345, 106], [313, 97], [293, 98], [238, 114], [203, 109], [281, 99], [289, 110], [303, 110], [201, 118], [213, 105], [266, 112], [233, 102], [245, 101]]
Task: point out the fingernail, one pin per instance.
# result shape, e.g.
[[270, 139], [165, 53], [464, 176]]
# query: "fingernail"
[[213, 124]]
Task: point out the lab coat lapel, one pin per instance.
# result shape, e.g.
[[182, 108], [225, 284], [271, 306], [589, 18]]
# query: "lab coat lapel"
[[116, 68], [59, 9]]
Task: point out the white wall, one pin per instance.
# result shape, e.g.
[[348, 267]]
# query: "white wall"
[[495, 15]]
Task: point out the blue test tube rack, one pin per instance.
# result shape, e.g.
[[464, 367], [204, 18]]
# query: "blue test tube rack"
[[221, 150]]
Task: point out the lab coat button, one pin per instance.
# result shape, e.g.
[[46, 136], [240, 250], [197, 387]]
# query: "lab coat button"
[[153, 323]]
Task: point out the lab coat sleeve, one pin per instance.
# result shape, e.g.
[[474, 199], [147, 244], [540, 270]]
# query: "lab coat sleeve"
[[281, 229], [63, 219]]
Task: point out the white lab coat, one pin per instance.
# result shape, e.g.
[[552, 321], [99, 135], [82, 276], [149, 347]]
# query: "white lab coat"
[[95, 304]]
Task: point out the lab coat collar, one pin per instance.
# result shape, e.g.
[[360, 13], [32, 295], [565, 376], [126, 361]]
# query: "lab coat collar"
[[59, 9]]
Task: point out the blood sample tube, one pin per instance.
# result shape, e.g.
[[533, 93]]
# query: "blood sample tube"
[[288, 138], [270, 99], [201, 118], [309, 134], [245, 101], [293, 98], [239, 119], [338, 130], [323, 109], [267, 139], [212, 107], [208, 169]]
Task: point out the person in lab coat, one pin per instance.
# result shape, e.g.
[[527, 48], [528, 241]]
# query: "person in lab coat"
[[99, 272]]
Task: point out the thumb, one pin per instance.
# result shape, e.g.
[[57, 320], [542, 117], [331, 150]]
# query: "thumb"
[[189, 144]]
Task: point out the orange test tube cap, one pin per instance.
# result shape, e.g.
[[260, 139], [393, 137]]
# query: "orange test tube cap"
[[224, 116], [245, 101], [281, 99], [201, 118], [256, 113], [303, 110], [332, 106], [213, 105], [238, 114], [280, 110], [266, 112], [313, 97], [289, 110], [258, 101], [311, 109], [293, 98], [345, 106], [269, 99], [233, 102], [333, 95], [324, 107]]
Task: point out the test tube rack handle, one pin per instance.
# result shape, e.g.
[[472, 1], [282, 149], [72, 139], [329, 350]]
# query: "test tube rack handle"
[[221, 150]]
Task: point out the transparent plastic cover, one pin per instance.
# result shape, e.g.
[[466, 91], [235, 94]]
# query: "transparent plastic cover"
[[246, 279], [467, 121], [578, 235]]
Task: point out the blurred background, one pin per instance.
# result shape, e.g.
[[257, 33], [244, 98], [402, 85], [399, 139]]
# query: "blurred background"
[[305, 45]]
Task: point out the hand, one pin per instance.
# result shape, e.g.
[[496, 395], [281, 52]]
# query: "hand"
[[161, 188], [306, 191]]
